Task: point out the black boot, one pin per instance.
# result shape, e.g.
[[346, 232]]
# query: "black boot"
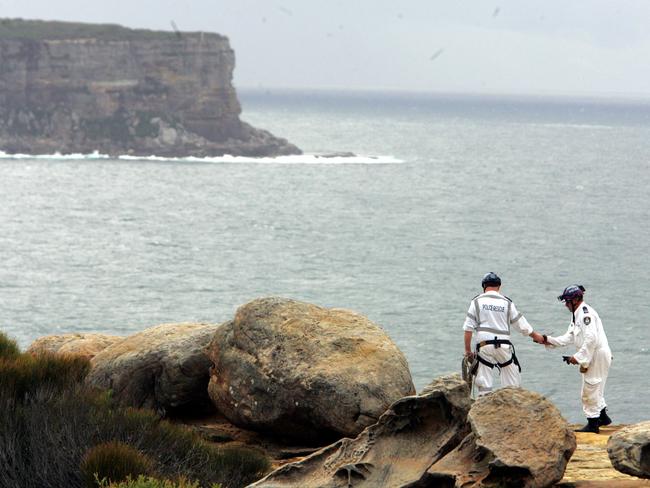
[[592, 426], [604, 418]]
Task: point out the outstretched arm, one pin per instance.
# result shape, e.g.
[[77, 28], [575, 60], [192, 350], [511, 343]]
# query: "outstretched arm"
[[537, 337], [561, 341]]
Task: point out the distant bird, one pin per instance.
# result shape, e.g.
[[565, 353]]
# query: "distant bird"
[[496, 12], [175, 27], [285, 10], [435, 55]]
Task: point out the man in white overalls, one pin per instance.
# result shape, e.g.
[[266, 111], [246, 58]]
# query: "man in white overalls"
[[593, 355], [490, 317]]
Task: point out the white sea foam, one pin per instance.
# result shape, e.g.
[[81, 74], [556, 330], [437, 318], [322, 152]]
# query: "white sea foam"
[[573, 126], [56, 156], [226, 159]]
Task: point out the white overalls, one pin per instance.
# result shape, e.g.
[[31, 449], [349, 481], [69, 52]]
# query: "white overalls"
[[593, 354], [490, 316]]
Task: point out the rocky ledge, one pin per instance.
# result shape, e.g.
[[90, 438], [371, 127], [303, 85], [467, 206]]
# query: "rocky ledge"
[[328, 396], [80, 88]]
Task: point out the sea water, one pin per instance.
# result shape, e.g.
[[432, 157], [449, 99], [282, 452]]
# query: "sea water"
[[545, 192]]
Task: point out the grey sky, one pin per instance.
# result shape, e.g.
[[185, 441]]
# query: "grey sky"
[[586, 47]]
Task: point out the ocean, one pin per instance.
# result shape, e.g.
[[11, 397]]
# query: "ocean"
[[442, 189]]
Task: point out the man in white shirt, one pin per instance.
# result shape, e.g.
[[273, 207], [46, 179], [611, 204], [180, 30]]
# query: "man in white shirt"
[[490, 317], [593, 355]]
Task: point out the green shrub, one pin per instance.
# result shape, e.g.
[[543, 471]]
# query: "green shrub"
[[146, 482], [49, 420], [179, 450], [114, 462], [8, 347], [24, 375]]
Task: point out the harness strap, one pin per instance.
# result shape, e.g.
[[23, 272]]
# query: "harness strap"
[[513, 358], [493, 342], [486, 362]]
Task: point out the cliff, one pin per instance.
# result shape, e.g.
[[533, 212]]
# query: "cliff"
[[79, 88]]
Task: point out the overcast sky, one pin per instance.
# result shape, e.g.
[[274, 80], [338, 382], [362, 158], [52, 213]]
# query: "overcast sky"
[[590, 47]]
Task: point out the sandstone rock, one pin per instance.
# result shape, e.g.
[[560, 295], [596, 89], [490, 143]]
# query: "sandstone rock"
[[85, 345], [78, 88], [412, 434], [303, 371], [163, 367], [629, 450], [590, 461], [513, 437], [518, 439]]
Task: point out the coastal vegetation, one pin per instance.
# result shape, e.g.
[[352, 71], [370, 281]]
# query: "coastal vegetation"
[[56, 431], [53, 30]]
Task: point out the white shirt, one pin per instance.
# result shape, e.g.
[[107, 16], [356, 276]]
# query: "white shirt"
[[492, 314], [586, 332]]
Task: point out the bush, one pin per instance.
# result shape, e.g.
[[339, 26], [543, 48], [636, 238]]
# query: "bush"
[[114, 462], [180, 450], [143, 482], [25, 375], [49, 420], [8, 347]]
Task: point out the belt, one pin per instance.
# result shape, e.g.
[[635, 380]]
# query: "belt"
[[494, 342]]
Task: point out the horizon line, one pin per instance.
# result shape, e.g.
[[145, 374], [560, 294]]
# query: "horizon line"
[[587, 96]]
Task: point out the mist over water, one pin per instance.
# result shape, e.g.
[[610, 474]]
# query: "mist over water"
[[544, 192]]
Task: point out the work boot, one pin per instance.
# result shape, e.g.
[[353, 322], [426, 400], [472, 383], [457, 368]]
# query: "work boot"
[[604, 418], [592, 426]]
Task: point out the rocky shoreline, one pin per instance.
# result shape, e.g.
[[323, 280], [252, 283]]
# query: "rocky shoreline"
[[73, 88], [299, 382]]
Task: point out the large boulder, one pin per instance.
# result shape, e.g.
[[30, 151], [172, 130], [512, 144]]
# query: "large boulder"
[[513, 437], [518, 438], [304, 372], [85, 345], [163, 367], [629, 450]]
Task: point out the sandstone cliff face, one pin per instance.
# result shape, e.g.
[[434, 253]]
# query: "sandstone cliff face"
[[76, 88]]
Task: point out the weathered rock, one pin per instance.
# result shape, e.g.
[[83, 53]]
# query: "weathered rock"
[[163, 367], [590, 461], [513, 437], [85, 345], [78, 88], [412, 434], [303, 371], [629, 450], [518, 439]]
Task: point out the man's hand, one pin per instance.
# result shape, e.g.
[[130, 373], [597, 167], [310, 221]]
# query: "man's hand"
[[538, 338], [573, 360], [469, 355]]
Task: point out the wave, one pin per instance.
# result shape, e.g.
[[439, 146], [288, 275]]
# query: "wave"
[[564, 125], [226, 159]]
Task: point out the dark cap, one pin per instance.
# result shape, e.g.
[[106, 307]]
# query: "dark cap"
[[572, 292], [490, 279]]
